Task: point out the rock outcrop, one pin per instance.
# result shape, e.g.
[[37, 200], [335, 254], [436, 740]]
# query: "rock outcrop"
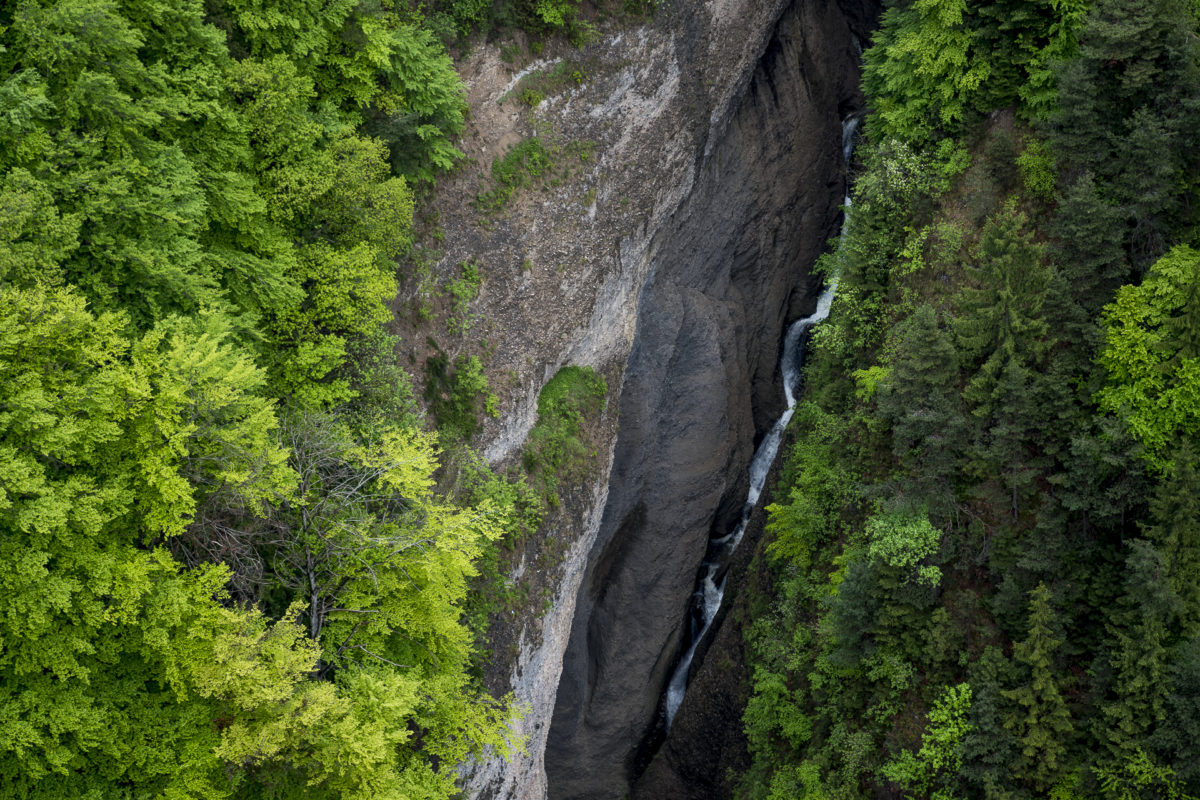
[[670, 259]]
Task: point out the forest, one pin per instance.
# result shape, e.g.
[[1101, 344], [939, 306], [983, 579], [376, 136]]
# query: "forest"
[[983, 560], [230, 565]]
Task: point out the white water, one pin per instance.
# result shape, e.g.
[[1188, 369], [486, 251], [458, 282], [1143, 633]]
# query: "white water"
[[711, 590]]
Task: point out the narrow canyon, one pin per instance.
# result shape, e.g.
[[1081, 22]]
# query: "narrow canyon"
[[718, 141]]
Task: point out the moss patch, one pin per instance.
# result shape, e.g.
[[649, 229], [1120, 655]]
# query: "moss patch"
[[558, 448]]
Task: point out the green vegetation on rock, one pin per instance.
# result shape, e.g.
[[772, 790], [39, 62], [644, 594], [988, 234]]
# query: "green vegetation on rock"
[[558, 446]]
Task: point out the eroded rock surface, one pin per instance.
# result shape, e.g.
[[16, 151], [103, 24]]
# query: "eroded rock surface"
[[669, 259], [700, 384]]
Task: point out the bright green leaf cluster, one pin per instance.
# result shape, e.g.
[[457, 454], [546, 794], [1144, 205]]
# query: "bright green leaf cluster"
[[1152, 355]]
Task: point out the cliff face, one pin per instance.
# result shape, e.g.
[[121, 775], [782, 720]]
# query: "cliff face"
[[700, 385], [670, 259]]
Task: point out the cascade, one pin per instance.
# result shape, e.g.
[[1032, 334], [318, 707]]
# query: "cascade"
[[710, 590]]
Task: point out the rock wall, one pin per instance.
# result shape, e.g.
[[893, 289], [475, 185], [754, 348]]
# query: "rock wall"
[[669, 259], [701, 385]]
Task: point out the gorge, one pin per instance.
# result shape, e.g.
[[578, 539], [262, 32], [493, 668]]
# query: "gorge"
[[689, 323], [714, 570], [700, 388]]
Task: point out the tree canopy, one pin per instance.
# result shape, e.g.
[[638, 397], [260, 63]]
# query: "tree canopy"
[[979, 575], [227, 572]]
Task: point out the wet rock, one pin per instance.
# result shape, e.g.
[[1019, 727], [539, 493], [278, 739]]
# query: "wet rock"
[[700, 386]]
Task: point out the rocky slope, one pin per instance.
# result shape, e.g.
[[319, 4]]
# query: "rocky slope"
[[670, 259]]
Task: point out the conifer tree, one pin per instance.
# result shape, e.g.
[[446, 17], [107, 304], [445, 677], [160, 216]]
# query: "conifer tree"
[[923, 69], [1175, 528], [1128, 113], [1004, 333], [989, 749], [922, 405], [1178, 737], [1022, 40], [1089, 244], [1040, 720], [1104, 478], [1142, 628]]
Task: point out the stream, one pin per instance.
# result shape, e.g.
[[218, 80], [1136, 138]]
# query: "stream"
[[710, 589]]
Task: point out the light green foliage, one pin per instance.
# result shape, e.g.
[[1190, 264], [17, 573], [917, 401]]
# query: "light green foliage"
[[890, 675], [799, 782], [294, 169], [348, 294], [196, 242], [517, 511], [382, 567], [770, 713], [557, 448], [34, 237], [423, 106], [809, 513], [216, 184], [134, 195], [1024, 41], [181, 402], [867, 381], [338, 186], [531, 162], [364, 58], [462, 291], [922, 69], [556, 13], [1137, 777], [546, 83], [101, 440], [1039, 93], [935, 62], [455, 396], [901, 540], [1152, 355], [779, 717], [365, 203], [110, 448], [1040, 719], [896, 184], [1037, 169], [932, 770]]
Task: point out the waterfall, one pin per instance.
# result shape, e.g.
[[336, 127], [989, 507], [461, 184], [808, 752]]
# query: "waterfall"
[[706, 600]]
